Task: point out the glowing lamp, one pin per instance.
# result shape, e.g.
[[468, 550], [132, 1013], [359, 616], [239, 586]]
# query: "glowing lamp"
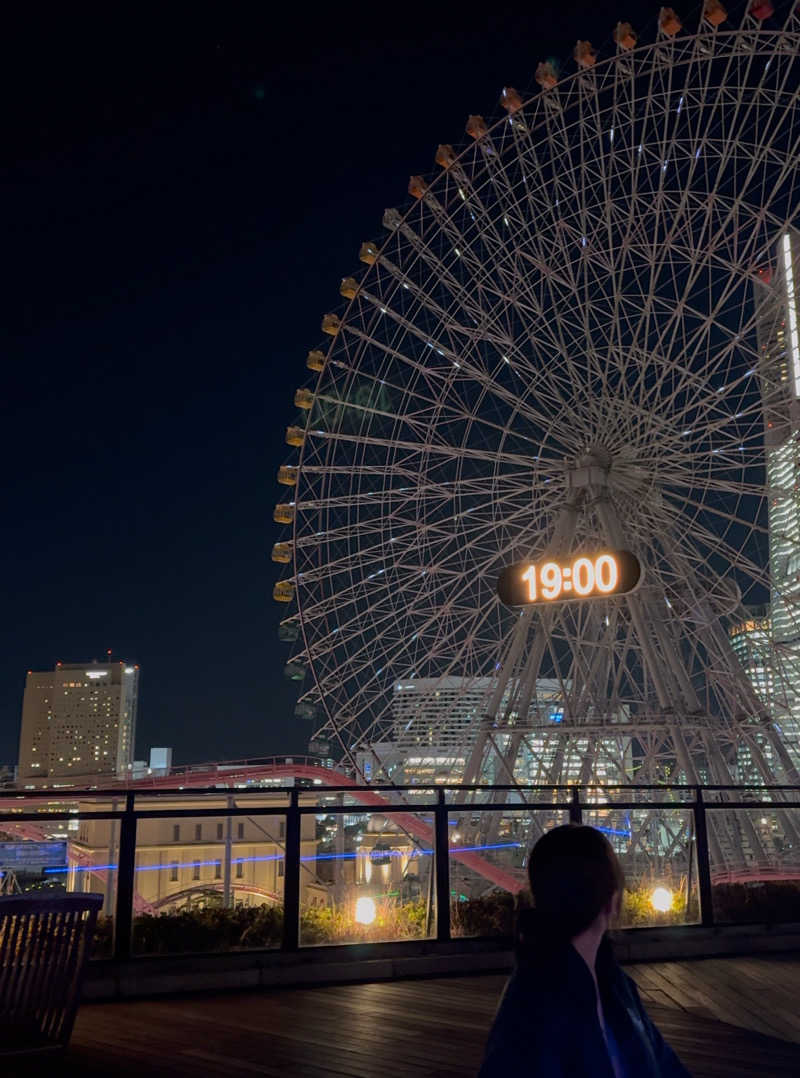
[[366, 910], [661, 899]]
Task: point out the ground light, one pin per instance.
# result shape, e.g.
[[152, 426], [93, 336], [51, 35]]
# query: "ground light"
[[661, 899], [365, 910]]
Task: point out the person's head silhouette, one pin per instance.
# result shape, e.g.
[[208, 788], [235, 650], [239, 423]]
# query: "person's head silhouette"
[[576, 879]]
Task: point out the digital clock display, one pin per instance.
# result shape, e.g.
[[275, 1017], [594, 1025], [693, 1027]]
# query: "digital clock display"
[[589, 576]]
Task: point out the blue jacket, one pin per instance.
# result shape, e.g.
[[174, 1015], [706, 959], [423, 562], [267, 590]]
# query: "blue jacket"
[[547, 1026]]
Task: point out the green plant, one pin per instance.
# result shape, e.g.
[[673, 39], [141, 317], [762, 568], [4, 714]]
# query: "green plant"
[[336, 924], [770, 902], [210, 929], [490, 915]]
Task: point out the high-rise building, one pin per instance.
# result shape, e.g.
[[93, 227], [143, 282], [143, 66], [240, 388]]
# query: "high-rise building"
[[779, 348], [78, 720], [436, 720], [751, 643], [751, 640]]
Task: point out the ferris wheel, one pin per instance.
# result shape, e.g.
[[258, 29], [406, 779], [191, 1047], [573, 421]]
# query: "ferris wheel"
[[572, 338]]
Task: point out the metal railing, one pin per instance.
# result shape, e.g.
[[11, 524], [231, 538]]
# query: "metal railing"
[[441, 802]]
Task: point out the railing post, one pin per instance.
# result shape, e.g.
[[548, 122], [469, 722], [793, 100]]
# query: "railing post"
[[703, 862], [441, 854], [227, 892], [126, 866], [291, 876], [575, 811]]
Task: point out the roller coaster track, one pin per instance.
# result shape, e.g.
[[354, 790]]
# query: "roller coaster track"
[[246, 773]]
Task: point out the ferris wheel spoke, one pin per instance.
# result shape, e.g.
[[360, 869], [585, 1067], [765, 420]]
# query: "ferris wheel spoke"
[[388, 579], [449, 370], [748, 252], [516, 302], [428, 636], [405, 534], [706, 543]]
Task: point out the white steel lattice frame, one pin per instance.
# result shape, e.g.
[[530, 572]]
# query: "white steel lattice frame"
[[572, 296]]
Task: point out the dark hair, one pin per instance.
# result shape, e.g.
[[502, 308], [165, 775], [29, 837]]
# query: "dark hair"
[[574, 873]]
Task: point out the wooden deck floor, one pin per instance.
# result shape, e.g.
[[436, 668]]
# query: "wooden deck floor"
[[737, 1018]]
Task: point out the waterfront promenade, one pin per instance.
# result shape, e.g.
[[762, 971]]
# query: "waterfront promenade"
[[726, 1017]]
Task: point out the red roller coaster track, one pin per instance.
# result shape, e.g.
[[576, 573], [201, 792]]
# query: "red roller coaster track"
[[248, 771]]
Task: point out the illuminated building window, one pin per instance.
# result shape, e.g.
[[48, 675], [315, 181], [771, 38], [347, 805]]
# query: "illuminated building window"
[[176, 832], [239, 870], [173, 873]]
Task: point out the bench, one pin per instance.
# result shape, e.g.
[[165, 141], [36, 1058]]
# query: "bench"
[[44, 945]]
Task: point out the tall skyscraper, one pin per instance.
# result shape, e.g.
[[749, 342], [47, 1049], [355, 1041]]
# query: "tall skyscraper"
[[751, 640], [78, 720], [779, 348]]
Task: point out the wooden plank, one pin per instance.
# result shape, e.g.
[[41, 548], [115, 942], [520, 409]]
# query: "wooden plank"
[[724, 998], [414, 1029]]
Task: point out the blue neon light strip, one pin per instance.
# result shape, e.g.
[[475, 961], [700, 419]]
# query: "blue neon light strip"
[[613, 831], [373, 855]]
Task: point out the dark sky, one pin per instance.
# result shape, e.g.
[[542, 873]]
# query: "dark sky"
[[182, 196]]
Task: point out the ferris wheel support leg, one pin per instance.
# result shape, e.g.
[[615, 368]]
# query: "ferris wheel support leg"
[[563, 533], [692, 778], [557, 766], [738, 823], [789, 829], [590, 757], [614, 535], [670, 648], [484, 738], [507, 757], [593, 690]]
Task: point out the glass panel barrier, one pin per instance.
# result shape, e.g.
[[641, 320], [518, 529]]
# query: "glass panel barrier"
[[755, 864], [52, 855], [657, 851], [755, 794], [366, 877], [522, 795], [645, 795], [488, 858], [208, 883], [368, 797]]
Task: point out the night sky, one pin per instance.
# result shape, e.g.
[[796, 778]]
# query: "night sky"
[[183, 195]]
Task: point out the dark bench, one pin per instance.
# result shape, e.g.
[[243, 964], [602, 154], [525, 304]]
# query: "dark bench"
[[44, 944]]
